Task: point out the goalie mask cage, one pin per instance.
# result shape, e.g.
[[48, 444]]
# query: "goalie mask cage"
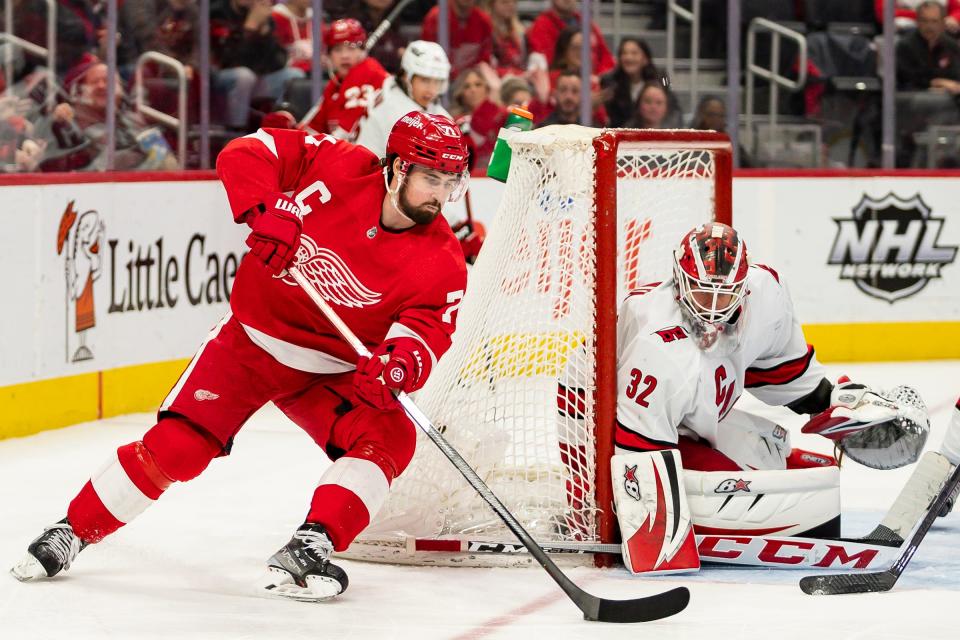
[[527, 393]]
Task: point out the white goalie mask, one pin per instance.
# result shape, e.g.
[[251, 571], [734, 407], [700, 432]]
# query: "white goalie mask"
[[426, 59], [710, 274]]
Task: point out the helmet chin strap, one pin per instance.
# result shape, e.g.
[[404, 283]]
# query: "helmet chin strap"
[[395, 193]]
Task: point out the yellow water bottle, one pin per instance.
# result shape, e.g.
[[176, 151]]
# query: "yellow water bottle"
[[518, 119]]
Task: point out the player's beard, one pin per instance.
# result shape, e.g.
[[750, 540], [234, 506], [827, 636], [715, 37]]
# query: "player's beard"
[[422, 214]]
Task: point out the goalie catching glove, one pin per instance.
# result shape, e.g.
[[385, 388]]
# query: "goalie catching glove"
[[275, 232], [399, 364], [881, 430]]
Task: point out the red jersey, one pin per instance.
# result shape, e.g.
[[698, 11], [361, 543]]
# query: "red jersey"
[[382, 283], [543, 33], [295, 34], [471, 40], [345, 101]]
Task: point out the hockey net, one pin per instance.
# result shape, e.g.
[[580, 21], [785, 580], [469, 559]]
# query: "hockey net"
[[527, 392]]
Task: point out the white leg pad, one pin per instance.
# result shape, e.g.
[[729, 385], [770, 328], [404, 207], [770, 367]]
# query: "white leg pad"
[[783, 503], [653, 513], [951, 441]]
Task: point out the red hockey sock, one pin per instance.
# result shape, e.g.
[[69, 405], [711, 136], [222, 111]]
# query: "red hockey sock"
[[173, 450], [350, 492], [117, 493]]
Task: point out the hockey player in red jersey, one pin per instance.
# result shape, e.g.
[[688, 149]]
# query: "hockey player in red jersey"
[[354, 82], [687, 350], [369, 236]]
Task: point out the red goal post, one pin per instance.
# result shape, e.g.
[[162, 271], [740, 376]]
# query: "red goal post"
[[527, 392]]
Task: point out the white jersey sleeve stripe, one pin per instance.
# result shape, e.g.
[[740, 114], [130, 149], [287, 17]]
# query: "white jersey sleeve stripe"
[[266, 139]]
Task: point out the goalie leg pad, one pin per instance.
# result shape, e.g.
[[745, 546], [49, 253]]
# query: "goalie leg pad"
[[784, 503], [653, 513], [951, 441]]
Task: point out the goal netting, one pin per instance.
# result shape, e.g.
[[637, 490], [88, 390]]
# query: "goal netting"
[[526, 393]]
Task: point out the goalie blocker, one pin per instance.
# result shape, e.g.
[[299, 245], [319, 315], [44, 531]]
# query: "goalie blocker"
[[659, 503]]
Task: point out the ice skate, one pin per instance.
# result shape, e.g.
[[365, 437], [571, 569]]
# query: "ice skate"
[[301, 570], [48, 555]]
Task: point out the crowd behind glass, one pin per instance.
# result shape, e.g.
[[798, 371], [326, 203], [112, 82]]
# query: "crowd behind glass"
[[502, 53]]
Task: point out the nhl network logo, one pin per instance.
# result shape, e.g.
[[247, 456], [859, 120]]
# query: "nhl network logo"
[[889, 247]]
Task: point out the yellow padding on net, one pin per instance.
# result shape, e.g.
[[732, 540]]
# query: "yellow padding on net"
[[521, 355]]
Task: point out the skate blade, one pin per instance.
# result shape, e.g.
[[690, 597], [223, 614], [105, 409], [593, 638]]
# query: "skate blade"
[[28, 570], [280, 584]]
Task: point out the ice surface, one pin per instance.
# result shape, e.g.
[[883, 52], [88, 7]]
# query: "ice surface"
[[187, 567]]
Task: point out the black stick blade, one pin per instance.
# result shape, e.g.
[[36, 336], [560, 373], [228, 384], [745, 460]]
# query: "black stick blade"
[[848, 583], [661, 605]]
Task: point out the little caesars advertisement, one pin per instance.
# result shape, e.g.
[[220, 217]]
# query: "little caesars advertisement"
[[108, 275]]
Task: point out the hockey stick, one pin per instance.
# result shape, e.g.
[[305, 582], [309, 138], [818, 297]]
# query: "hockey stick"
[[911, 504], [384, 26], [644, 609], [873, 582]]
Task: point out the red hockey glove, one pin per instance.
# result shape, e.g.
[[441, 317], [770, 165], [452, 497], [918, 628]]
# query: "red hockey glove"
[[275, 234], [400, 364], [471, 236]]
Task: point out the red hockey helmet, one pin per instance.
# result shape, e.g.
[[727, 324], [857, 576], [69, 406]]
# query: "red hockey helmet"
[[429, 140], [710, 273], [345, 30]]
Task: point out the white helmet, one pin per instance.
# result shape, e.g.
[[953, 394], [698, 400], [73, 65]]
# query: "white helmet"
[[425, 59]]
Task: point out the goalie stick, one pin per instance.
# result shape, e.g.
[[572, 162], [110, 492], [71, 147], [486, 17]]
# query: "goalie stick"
[[876, 581], [778, 552], [643, 609]]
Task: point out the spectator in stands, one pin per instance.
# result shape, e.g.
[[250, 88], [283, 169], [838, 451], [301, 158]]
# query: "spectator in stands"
[[565, 100], [543, 33], [250, 60], [928, 59], [509, 43], [905, 13], [515, 91], [651, 107], [293, 26], [174, 25], [20, 150], [471, 34], [566, 57], [79, 126], [175, 31], [370, 13], [711, 115], [478, 116], [621, 86]]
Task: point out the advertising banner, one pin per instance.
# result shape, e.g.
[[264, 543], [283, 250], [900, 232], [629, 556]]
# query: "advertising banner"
[[100, 276]]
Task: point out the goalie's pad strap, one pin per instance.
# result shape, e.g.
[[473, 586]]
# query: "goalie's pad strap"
[[653, 513]]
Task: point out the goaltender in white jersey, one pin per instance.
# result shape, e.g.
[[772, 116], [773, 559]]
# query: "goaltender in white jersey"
[[688, 348], [669, 387]]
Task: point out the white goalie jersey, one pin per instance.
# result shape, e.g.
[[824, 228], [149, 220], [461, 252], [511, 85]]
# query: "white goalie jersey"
[[668, 387]]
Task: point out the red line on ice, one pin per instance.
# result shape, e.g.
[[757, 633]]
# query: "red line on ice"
[[492, 625]]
